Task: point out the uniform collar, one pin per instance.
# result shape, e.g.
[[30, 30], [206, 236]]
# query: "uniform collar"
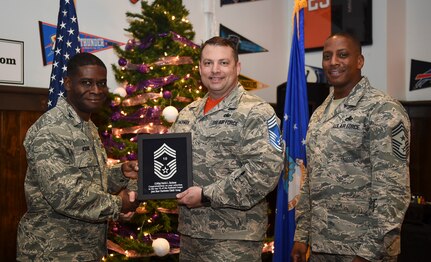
[[352, 100], [230, 101], [69, 112], [361, 88]]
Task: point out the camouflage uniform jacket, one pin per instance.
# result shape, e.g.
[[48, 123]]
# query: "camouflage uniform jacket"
[[235, 163], [66, 189], [357, 191]]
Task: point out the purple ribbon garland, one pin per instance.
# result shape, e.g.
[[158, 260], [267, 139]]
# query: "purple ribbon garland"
[[157, 82], [149, 40], [124, 231], [183, 40], [150, 115], [109, 142]]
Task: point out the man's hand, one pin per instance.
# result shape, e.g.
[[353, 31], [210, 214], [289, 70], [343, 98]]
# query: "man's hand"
[[130, 169], [191, 197], [128, 203], [126, 217], [299, 252]]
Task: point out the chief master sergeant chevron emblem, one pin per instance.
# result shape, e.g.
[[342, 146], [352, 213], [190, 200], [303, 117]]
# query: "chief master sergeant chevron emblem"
[[165, 162], [399, 141]]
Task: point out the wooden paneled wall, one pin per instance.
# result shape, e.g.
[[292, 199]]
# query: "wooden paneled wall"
[[420, 147], [19, 109]]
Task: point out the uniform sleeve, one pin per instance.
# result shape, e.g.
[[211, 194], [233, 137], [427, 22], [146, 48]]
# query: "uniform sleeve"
[[303, 207], [303, 213], [389, 153], [116, 179], [67, 186], [261, 162]]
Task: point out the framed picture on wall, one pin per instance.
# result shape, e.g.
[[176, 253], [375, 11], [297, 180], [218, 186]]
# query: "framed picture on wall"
[[325, 17]]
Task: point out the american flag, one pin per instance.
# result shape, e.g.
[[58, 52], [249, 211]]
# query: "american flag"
[[66, 45]]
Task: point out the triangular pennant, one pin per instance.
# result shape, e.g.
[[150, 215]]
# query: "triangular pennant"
[[244, 45], [89, 43], [228, 2], [250, 84]]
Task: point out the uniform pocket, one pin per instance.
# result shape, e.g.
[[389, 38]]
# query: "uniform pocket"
[[347, 221], [84, 156], [352, 206]]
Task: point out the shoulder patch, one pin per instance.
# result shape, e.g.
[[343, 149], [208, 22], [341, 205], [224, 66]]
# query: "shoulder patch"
[[274, 133], [400, 143]]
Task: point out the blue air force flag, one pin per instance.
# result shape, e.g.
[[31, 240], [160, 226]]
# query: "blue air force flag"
[[295, 125]]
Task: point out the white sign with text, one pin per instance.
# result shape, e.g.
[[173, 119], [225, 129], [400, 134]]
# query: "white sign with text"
[[11, 62]]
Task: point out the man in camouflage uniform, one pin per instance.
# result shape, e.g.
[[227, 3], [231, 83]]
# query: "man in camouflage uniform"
[[68, 185], [237, 160], [357, 191]]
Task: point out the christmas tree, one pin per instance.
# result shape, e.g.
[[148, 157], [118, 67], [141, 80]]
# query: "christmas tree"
[[158, 73]]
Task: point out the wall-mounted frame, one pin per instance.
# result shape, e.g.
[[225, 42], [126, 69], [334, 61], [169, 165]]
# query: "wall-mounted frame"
[[11, 62], [325, 17]]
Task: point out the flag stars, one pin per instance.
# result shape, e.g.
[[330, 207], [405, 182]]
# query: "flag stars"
[[66, 45], [295, 126], [303, 141], [286, 117]]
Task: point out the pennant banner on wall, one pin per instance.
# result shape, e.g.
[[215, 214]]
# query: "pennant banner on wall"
[[244, 45], [250, 84], [227, 2], [420, 75], [314, 74], [89, 43]]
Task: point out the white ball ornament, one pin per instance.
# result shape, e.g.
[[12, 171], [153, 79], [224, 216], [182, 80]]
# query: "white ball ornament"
[[170, 113], [161, 247], [121, 91]]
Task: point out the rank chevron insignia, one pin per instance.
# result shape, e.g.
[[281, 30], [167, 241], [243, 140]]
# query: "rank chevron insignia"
[[400, 142], [165, 162]]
